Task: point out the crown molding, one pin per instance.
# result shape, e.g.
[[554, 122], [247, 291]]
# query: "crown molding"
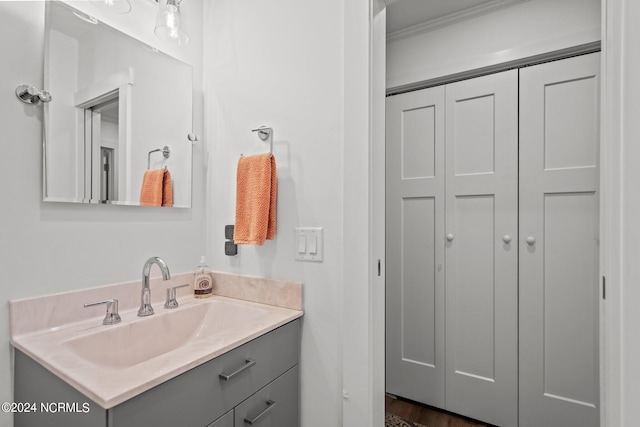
[[452, 18]]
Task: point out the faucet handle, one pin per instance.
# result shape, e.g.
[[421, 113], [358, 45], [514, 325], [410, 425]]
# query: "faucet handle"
[[112, 317], [171, 301]]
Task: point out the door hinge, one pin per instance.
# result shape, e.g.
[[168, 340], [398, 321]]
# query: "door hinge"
[[604, 288]]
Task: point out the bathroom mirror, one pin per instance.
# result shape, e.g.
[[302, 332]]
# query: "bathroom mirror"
[[119, 108]]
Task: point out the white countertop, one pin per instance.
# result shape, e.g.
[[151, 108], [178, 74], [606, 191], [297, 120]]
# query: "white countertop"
[[111, 384]]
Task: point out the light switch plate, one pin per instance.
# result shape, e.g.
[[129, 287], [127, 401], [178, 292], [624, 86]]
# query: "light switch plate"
[[308, 244]]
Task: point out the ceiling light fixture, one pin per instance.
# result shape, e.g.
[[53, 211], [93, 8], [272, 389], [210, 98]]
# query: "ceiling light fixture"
[[114, 6], [170, 25]]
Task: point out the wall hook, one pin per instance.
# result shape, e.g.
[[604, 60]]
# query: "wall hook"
[[31, 95]]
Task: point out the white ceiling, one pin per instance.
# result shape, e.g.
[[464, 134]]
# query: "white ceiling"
[[402, 14]]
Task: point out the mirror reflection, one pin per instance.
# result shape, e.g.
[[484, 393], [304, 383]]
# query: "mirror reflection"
[[119, 118]]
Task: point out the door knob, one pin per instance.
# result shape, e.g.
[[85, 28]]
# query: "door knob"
[[506, 238], [531, 240], [449, 237]]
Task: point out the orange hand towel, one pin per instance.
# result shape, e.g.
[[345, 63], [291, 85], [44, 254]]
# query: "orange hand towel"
[[167, 189], [151, 192], [156, 188], [256, 196]]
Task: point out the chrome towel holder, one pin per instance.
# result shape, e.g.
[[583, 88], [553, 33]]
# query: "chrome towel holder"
[[265, 133], [166, 152]]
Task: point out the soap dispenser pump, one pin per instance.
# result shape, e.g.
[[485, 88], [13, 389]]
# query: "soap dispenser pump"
[[202, 281]]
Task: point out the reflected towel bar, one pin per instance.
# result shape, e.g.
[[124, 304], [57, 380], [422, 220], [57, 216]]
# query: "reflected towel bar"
[[166, 151]]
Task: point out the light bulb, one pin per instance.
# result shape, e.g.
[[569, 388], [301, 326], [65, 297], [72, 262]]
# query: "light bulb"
[[169, 26]]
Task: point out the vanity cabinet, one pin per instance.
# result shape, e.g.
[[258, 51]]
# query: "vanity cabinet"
[[248, 378]]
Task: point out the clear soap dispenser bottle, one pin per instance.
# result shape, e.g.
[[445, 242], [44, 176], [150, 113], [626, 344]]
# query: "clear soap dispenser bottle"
[[202, 281]]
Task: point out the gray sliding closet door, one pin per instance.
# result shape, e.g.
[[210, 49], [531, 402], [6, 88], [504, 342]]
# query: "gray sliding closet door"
[[481, 256], [415, 246], [492, 245], [559, 231]]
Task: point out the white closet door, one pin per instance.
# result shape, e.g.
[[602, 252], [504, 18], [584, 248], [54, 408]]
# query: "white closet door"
[[559, 147], [481, 253], [415, 246]]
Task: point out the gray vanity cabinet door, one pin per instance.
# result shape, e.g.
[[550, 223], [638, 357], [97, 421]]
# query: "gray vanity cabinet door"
[[275, 405], [224, 421], [37, 386]]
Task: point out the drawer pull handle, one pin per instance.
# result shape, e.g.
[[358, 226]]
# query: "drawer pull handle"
[[270, 405], [248, 363]]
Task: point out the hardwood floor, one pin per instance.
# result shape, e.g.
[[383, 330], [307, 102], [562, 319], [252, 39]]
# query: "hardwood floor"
[[430, 417]]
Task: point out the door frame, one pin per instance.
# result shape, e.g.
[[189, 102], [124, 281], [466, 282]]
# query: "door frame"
[[611, 180], [611, 255]]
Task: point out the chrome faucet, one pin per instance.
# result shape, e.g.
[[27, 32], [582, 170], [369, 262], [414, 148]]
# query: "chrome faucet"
[[145, 297]]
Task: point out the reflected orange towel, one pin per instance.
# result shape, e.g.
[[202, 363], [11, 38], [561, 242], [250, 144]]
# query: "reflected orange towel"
[[156, 188], [167, 189], [256, 196]]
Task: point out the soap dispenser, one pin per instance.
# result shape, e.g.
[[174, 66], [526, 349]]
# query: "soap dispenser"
[[202, 281]]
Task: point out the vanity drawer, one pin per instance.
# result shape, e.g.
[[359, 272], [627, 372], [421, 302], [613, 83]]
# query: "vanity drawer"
[[224, 421], [200, 396], [276, 405]]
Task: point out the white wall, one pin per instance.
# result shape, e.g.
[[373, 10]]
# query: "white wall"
[[53, 247], [526, 29], [280, 63]]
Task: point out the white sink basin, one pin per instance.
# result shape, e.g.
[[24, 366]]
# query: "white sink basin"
[[129, 344], [113, 363]]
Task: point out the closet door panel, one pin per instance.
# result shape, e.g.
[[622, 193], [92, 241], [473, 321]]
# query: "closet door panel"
[[481, 254], [418, 142], [559, 205], [415, 246], [474, 356], [568, 338], [474, 142], [569, 140], [417, 332]]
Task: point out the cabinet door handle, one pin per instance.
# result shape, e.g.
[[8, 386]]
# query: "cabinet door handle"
[[252, 421], [247, 364]]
